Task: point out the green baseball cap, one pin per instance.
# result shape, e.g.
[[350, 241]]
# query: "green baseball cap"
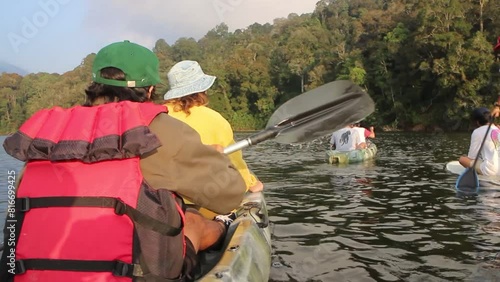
[[140, 65]]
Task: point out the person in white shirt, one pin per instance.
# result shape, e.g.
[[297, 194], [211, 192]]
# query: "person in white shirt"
[[363, 132], [346, 139], [489, 157]]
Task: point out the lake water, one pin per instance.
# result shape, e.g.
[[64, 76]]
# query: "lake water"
[[395, 218]]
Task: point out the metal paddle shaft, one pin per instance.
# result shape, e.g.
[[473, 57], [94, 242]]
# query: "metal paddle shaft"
[[313, 114]]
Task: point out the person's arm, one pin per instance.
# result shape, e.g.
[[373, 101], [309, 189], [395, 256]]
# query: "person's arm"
[[496, 108], [332, 142], [197, 172], [357, 139], [256, 184], [257, 187], [226, 138], [370, 133], [366, 132]]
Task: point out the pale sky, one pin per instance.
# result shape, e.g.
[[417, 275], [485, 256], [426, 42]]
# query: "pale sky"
[[55, 35]]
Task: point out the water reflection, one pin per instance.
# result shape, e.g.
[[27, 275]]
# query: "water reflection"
[[395, 218]]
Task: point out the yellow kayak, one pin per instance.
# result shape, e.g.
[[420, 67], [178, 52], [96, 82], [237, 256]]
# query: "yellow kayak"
[[246, 253]]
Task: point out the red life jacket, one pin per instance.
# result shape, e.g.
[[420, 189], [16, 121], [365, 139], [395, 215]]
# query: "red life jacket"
[[83, 211]]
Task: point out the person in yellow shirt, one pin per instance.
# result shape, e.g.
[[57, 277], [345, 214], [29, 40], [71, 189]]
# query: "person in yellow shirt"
[[187, 101]]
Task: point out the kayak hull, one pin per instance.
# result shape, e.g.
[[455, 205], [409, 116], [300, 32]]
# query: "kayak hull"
[[484, 181], [354, 156], [246, 252]]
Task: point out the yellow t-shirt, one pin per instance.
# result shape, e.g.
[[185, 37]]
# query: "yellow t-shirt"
[[214, 129]]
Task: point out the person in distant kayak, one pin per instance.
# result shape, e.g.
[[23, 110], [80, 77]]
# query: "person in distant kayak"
[[187, 101], [363, 132], [489, 157], [99, 196], [346, 139]]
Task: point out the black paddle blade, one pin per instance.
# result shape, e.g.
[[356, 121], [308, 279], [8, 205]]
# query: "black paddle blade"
[[313, 114], [319, 112], [468, 182]]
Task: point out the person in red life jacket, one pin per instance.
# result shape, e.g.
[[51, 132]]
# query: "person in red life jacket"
[[100, 193]]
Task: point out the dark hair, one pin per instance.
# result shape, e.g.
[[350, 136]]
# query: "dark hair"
[[481, 116], [187, 102], [115, 93]]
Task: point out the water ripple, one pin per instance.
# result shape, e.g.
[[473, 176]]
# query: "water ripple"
[[395, 218]]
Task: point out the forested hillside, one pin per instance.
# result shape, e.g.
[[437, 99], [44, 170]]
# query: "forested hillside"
[[426, 64]]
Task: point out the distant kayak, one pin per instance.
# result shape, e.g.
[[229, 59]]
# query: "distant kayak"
[[355, 156], [485, 181]]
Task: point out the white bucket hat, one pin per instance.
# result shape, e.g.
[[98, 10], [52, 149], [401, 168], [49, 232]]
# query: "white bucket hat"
[[186, 78]]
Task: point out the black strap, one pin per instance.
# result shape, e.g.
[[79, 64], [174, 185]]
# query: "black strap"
[[182, 204], [118, 268], [120, 207]]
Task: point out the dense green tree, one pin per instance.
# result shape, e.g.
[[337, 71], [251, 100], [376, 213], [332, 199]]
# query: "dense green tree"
[[186, 49], [425, 63]]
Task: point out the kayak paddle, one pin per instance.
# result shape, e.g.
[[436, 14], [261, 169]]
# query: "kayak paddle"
[[313, 114]]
